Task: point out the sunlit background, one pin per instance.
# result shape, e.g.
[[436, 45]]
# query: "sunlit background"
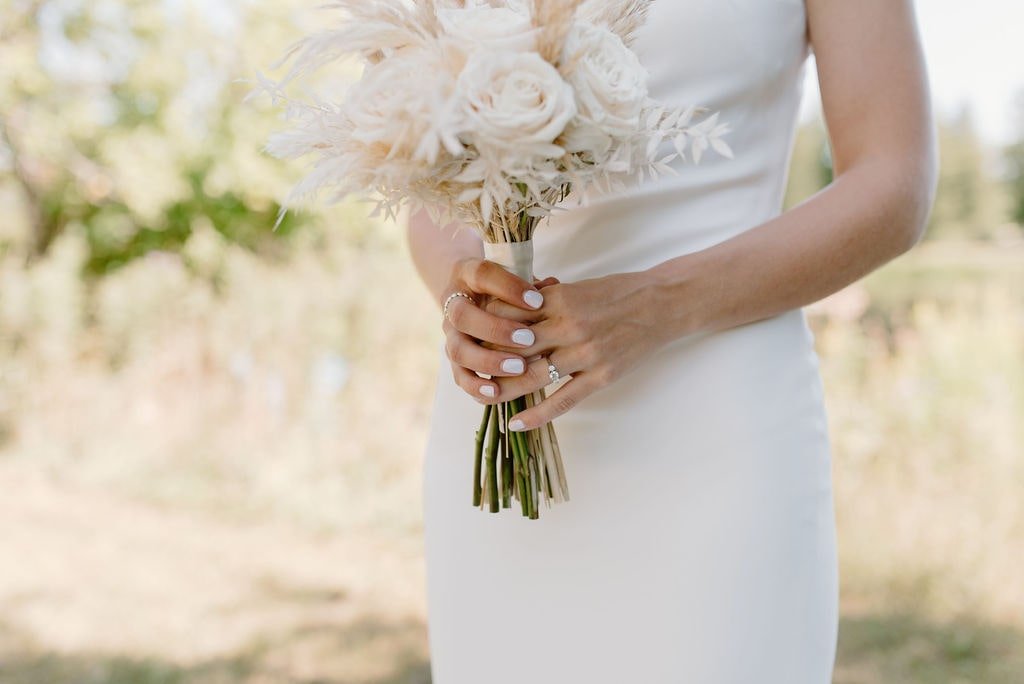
[[210, 434]]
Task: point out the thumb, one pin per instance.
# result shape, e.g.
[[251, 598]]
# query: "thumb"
[[550, 280]]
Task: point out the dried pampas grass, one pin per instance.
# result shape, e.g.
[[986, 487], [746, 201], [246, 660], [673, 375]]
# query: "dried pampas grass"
[[553, 19], [621, 17]]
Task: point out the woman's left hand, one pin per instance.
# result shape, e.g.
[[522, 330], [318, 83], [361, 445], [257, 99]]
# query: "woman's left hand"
[[594, 329]]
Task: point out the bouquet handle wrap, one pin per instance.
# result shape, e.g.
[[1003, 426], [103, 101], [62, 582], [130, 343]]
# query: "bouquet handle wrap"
[[530, 468], [516, 257]]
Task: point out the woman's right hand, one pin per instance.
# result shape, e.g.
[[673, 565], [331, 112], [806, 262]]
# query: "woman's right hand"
[[477, 340]]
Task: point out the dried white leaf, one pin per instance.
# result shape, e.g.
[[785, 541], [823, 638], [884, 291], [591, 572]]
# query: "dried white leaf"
[[721, 147], [705, 126], [469, 195], [698, 147]]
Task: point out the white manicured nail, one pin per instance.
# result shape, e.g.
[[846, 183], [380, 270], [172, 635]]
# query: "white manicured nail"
[[487, 390], [516, 425], [523, 336], [512, 365], [533, 298]]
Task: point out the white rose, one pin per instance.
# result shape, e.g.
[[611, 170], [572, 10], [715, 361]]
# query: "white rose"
[[401, 105], [514, 100], [490, 28], [610, 82]]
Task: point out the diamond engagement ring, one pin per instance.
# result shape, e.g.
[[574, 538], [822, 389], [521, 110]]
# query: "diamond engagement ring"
[[553, 372], [453, 295]]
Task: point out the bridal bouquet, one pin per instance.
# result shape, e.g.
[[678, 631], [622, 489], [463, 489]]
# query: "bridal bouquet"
[[487, 113]]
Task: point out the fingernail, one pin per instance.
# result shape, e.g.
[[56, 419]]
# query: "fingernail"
[[516, 425], [512, 365], [533, 298], [487, 390], [523, 336]]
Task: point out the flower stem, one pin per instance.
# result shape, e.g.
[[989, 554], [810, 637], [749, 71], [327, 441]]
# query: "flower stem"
[[478, 454], [519, 459], [527, 490], [506, 463], [492, 465]]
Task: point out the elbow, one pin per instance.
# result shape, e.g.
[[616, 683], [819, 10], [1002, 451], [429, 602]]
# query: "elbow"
[[910, 189], [911, 221], [900, 182], [919, 187]]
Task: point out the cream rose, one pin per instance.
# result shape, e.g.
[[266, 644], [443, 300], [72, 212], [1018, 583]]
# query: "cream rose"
[[610, 82], [513, 100], [403, 105], [490, 28]]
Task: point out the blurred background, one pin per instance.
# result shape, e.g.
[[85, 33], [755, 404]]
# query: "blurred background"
[[211, 433]]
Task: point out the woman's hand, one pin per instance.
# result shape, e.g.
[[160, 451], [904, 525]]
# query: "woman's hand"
[[594, 330], [482, 341]]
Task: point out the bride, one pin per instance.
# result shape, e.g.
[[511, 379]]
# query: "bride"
[[698, 545]]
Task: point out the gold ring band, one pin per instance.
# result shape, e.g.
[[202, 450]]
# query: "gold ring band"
[[453, 295]]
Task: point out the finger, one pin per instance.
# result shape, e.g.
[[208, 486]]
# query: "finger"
[[547, 334], [555, 404], [465, 351], [488, 277], [481, 389], [512, 313], [536, 373], [483, 325], [505, 310]]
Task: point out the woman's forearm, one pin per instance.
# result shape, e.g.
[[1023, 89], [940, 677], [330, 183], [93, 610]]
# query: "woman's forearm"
[[435, 250], [870, 214], [877, 106]]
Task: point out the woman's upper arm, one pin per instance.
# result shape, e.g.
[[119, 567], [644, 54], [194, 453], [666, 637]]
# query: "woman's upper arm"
[[873, 79], [435, 249], [876, 101]]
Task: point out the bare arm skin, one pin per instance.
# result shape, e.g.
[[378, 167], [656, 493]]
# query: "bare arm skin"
[[435, 250], [876, 103]]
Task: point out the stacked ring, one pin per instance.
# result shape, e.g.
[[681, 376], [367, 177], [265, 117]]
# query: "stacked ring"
[[444, 309]]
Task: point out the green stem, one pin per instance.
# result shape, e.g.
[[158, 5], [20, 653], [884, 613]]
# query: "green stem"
[[519, 457], [506, 464], [535, 496], [524, 501], [478, 454], [487, 477], [527, 490], [492, 465]]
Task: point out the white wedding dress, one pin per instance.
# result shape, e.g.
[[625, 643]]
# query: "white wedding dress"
[[698, 544]]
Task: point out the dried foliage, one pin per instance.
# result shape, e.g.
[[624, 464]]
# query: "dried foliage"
[[553, 21], [621, 18], [486, 112]]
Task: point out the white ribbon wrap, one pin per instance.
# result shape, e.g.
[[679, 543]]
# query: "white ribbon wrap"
[[516, 257]]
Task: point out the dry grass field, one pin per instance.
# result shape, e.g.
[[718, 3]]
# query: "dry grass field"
[[209, 466]]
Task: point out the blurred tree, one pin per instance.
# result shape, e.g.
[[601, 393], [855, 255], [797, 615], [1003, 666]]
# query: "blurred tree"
[[810, 167], [970, 202], [1014, 155], [123, 117]]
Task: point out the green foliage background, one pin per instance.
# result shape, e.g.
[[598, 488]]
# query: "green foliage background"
[[123, 120]]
